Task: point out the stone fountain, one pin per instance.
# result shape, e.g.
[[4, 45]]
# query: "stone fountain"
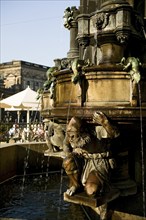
[[103, 74]]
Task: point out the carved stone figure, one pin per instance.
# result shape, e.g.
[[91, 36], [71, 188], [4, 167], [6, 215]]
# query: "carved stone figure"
[[51, 81], [63, 63], [76, 67], [49, 84], [132, 65], [54, 136], [69, 16], [78, 77], [89, 159]]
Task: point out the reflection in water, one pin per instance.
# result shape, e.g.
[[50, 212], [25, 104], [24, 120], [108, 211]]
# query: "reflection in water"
[[40, 201]]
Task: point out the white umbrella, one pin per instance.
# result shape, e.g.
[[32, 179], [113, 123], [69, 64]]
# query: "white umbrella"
[[24, 100]]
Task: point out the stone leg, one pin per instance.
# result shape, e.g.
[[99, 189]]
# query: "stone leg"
[[49, 145], [72, 168], [134, 101]]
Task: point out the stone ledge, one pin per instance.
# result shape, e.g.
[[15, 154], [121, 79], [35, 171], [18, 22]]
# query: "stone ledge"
[[83, 199]]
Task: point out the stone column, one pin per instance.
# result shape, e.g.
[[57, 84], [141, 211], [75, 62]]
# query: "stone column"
[[74, 46], [83, 35]]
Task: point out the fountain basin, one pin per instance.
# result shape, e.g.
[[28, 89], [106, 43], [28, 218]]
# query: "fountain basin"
[[14, 156]]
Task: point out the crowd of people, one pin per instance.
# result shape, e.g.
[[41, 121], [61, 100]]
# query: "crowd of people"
[[33, 132]]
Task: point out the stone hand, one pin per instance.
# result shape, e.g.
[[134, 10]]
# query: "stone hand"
[[81, 152], [71, 190], [100, 118], [78, 150]]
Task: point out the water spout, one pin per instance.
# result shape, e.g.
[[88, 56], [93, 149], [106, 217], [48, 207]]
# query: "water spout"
[[142, 154], [60, 194], [69, 104], [25, 167]]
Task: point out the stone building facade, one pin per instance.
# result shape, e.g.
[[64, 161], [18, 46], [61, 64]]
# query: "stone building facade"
[[16, 75]]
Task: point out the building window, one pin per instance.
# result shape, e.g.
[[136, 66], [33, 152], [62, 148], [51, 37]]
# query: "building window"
[[37, 85]]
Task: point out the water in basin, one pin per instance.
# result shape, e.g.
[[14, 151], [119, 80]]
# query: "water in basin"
[[41, 199]]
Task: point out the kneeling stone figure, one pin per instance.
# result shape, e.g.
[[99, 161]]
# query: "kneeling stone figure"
[[89, 158]]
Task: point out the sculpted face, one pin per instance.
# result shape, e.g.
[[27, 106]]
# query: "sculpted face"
[[76, 134], [73, 137], [77, 139], [73, 131]]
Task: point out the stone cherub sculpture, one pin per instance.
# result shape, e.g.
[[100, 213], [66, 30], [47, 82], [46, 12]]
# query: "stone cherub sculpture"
[[132, 65], [89, 158]]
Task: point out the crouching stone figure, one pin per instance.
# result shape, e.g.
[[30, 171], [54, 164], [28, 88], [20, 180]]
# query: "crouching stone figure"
[[89, 158], [54, 136]]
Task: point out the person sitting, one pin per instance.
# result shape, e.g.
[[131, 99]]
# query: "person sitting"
[[12, 131]]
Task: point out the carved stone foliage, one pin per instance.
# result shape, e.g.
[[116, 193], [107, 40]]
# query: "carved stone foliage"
[[64, 63], [122, 37], [102, 20], [83, 40]]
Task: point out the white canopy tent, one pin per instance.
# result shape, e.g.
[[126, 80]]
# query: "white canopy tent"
[[25, 100]]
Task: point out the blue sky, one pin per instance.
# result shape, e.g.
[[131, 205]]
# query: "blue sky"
[[33, 31]]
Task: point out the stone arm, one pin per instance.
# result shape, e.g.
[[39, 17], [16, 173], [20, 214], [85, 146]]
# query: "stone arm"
[[127, 66], [101, 119]]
